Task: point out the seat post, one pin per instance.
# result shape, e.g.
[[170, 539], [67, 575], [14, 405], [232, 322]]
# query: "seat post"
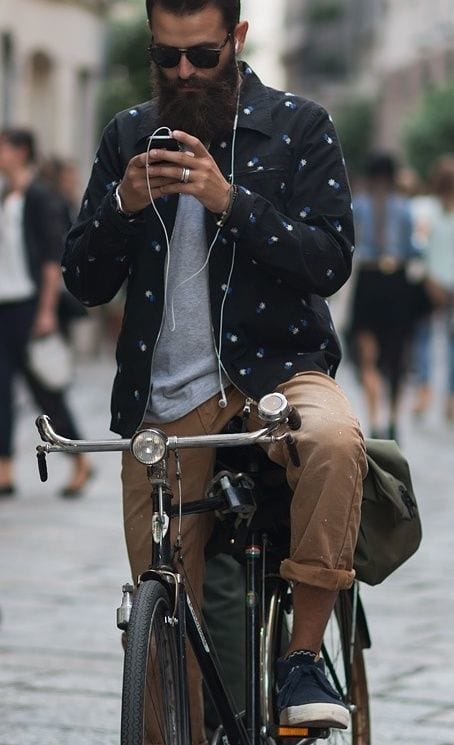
[[253, 553]]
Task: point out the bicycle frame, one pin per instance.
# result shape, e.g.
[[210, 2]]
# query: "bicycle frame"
[[274, 411], [191, 627], [254, 726]]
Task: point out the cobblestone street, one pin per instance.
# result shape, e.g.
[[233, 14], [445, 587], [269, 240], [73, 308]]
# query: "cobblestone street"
[[63, 563]]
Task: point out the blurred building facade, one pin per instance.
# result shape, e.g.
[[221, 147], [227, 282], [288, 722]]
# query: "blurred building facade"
[[328, 42], [267, 40], [414, 53], [391, 51], [51, 54]]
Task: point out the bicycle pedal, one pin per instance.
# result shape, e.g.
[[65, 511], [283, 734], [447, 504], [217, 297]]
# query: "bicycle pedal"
[[284, 732]]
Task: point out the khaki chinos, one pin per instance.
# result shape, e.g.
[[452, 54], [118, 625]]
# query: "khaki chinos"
[[325, 509]]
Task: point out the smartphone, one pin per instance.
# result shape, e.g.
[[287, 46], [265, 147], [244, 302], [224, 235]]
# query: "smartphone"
[[165, 142]]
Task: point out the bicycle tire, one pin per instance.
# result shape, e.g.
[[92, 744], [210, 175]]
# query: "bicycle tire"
[[352, 680], [151, 698]]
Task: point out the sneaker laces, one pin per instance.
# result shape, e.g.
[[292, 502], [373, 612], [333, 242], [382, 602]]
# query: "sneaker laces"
[[316, 671]]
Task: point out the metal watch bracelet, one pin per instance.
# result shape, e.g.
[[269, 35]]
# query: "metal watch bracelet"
[[119, 205]]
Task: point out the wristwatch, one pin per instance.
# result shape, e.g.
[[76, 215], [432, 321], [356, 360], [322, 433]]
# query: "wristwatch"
[[119, 205]]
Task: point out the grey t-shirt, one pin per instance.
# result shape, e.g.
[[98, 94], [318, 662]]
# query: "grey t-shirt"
[[184, 371]]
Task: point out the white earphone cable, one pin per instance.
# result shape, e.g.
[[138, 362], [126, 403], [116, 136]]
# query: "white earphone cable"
[[205, 263], [166, 235], [218, 350], [223, 400]]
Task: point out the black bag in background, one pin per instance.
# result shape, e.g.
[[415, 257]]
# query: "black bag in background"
[[390, 530]]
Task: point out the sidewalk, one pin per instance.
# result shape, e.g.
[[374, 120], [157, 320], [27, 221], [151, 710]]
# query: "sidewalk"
[[411, 664], [63, 563]]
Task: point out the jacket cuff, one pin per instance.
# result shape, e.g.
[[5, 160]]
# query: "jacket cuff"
[[124, 224], [240, 213]]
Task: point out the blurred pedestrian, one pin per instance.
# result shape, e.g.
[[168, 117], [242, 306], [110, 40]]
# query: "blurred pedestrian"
[[32, 230], [383, 310], [62, 175], [440, 265], [422, 206]]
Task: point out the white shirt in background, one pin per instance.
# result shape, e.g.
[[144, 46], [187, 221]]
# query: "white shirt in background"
[[15, 281]]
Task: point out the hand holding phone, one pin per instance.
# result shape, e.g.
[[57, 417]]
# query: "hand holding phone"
[[185, 167]]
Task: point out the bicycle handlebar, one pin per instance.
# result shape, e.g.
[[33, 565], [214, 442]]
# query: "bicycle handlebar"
[[55, 443], [273, 409]]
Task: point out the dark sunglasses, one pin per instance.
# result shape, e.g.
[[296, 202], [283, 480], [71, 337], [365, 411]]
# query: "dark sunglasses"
[[198, 56]]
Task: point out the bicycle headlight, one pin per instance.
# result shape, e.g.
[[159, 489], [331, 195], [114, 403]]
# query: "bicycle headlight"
[[149, 446]]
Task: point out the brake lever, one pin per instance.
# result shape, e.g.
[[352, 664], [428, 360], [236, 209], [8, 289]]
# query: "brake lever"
[[292, 450], [294, 419]]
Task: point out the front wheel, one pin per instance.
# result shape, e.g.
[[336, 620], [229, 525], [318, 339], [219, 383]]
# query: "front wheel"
[[344, 662], [152, 707]]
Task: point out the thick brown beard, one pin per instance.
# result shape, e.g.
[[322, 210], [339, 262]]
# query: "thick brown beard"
[[208, 112]]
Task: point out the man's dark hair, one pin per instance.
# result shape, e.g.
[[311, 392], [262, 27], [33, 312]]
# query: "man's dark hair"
[[21, 138], [230, 9]]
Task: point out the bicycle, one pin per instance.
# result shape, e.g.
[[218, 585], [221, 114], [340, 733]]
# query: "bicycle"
[[158, 616]]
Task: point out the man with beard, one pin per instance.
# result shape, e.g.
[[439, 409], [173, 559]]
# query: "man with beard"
[[258, 210]]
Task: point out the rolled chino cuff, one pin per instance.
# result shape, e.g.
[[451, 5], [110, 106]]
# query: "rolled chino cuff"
[[327, 579]]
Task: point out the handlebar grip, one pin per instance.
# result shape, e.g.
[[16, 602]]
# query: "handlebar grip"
[[293, 451], [294, 419], [42, 466]]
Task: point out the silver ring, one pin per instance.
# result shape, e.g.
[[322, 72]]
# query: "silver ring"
[[185, 175]]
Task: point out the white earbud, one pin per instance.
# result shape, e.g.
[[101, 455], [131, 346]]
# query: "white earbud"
[[237, 45]]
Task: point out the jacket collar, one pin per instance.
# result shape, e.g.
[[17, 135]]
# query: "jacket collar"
[[254, 109], [255, 105]]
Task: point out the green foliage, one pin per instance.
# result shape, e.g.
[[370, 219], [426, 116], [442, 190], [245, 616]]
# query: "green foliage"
[[324, 63], [127, 76], [324, 11], [430, 131], [355, 125]]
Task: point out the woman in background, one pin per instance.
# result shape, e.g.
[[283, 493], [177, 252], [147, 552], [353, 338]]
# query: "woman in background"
[[440, 264], [383, 312]]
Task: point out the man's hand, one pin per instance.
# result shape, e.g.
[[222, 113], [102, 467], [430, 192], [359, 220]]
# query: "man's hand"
[[135, 188], [165, 174]]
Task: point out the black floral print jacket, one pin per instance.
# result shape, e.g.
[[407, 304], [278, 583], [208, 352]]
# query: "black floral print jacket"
[[286, 246]]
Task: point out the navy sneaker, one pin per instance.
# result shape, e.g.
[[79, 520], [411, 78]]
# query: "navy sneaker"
[[305, 697]]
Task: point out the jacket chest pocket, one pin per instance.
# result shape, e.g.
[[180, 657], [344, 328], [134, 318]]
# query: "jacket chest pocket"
[[267, 176]]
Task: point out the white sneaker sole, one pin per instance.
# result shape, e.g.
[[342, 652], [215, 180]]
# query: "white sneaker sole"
[[316, 715]]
